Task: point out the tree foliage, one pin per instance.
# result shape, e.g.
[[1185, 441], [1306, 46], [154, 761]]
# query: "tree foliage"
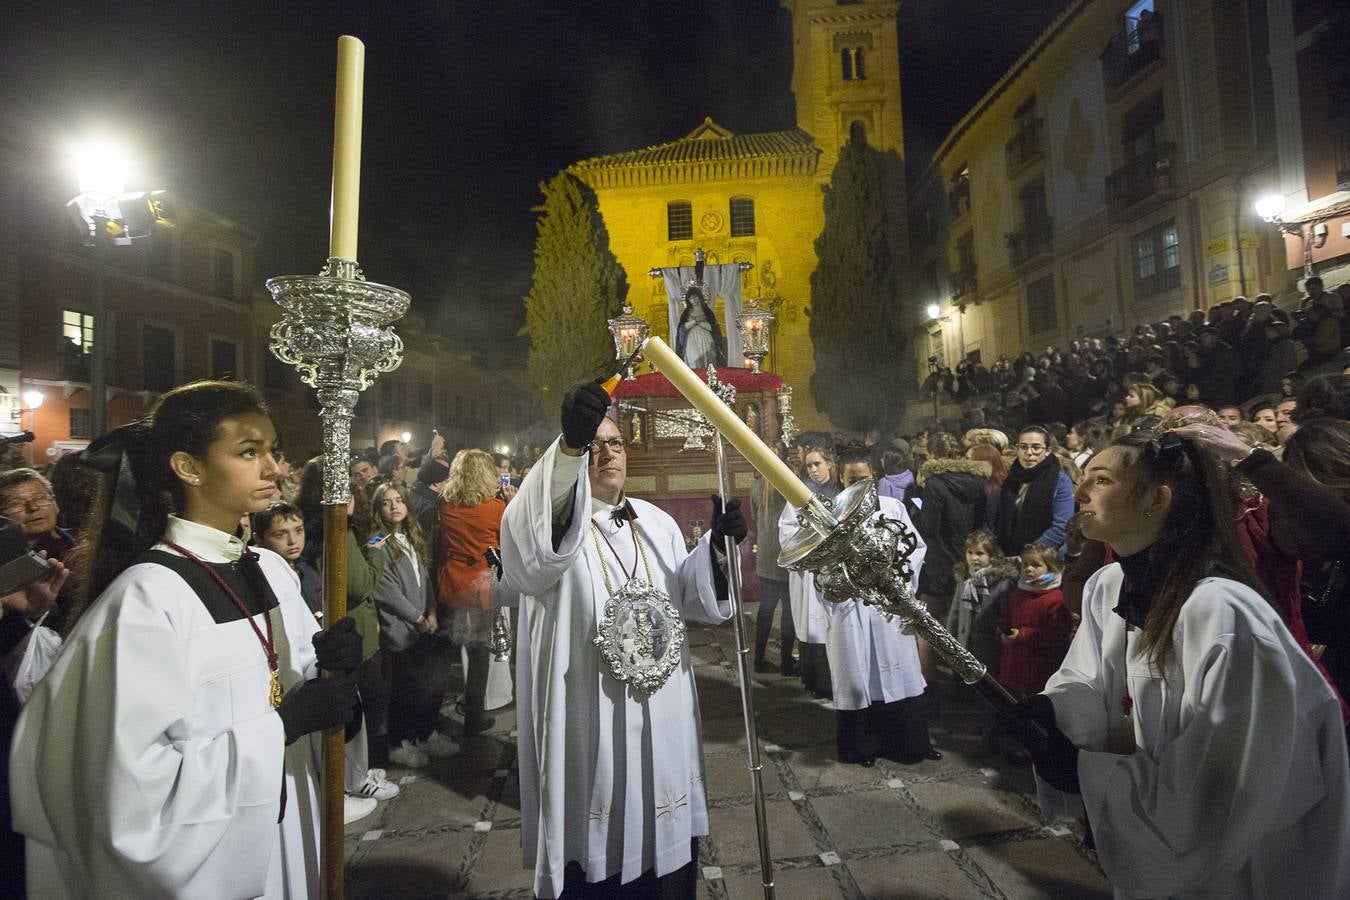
[[857, 326], [577, 285]]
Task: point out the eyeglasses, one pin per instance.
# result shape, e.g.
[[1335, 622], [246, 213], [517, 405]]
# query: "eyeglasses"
[[615, 445], [1031, 448], [19, 505]]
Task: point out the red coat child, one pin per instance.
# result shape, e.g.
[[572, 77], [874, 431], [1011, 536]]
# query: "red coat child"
[[1041, 629]]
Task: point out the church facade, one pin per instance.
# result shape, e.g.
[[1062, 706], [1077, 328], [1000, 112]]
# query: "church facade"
[[757, 198]]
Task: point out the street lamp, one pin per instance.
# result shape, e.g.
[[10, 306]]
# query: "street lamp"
[[1270, 207], [629, 331], [101, 168], [405, 437], [934, 310]]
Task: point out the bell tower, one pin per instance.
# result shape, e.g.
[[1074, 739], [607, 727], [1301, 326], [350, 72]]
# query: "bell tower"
[[846, 73]]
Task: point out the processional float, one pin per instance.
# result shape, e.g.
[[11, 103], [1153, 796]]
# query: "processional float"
[[335, 331]]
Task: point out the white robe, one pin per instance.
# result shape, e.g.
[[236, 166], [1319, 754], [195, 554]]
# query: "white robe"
[[1239, 786], [810, 613], [149, 763], [606, 780], [871, 659]]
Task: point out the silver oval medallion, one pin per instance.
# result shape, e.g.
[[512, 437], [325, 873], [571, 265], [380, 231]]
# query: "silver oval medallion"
[[641, 637]]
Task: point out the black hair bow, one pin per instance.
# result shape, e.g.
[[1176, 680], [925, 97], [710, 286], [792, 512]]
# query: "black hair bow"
[[111, 456], [1166, 448]]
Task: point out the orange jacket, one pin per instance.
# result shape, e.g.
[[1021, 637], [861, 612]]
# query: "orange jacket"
[[462, 575]]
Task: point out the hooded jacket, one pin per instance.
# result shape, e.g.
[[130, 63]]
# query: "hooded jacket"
[[953, 506]]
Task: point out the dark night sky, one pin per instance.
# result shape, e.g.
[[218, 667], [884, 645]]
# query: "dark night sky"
[[468, 107]]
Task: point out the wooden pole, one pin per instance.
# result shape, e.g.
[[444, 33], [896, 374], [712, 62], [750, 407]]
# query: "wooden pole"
[[331, 850]]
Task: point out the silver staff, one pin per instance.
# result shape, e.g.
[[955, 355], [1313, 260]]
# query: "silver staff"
[[727, 393]]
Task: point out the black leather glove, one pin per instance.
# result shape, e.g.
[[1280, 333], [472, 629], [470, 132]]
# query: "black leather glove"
[[338, 649], [727, 522], [1053, 754], [583, 408], [318, 704]]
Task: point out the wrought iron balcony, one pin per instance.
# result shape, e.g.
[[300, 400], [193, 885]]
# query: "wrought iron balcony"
[[964, 282], [958, 198], [1025, 147], [1033, 239], [1140, 178], [1133, 50]]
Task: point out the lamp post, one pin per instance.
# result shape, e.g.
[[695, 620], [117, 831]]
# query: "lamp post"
[[755, 324], [32, 399], [1270, 207], [101, 169]]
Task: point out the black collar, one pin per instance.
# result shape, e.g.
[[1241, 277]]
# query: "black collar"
[[623, 513], [1136, 589]]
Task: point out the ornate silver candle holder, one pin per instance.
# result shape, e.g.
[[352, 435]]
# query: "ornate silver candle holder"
[[859, 555], [335, 331]]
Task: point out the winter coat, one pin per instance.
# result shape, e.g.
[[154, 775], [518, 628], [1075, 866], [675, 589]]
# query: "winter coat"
[[895, 486], [1043, 634], [954, 505], [403, 595], [467, 532], [978, 605]]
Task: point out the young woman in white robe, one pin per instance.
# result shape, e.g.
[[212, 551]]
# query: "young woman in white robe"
[[150, 761], [609, 781], [1207, 747], [874, 665]]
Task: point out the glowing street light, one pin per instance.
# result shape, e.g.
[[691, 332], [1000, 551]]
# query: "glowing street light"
[[405, 437], [934, 310], [1270, 207], [33, 398]]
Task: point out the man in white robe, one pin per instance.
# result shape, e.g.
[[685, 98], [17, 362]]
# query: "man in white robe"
[[149, 763], [611, 781], [874, 665], [1238, 786]]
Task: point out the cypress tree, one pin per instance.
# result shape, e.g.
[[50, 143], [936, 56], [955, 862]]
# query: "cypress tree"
[[577, 285], [857, 329]]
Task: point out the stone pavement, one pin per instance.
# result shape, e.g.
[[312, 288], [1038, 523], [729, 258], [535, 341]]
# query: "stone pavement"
[[954, 828]]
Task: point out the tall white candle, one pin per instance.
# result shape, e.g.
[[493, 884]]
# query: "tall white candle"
[[351, 71], [725, 420]]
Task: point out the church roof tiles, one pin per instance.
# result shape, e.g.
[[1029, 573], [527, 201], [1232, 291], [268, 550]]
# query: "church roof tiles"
[[708, 153]]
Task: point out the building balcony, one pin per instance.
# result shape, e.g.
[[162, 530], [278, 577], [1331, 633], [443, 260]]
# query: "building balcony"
[[1139, 179], [958, 198], [1024, 148], [1029, 242], [1132, 51], [964, 283]]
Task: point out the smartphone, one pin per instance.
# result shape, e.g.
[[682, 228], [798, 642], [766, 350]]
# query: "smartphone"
[[21, 570], [376, 540], [506, 480]]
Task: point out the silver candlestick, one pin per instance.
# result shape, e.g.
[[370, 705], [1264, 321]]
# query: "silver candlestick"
[[864, 556], [335, 331]]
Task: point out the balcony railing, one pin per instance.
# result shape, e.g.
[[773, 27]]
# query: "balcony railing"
[[1133, 50], [1140, 178], [1025, 147], [958, 198], [1032, 240], [964, 282]]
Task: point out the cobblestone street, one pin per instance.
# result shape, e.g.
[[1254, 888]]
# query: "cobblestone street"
[[954, 828]]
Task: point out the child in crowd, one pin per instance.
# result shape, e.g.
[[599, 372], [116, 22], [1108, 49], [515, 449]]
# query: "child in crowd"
[[983, 581], [407, 605], [1036, 627], [281, 529]]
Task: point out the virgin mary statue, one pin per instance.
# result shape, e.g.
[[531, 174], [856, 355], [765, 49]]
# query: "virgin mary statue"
[[698, 339]]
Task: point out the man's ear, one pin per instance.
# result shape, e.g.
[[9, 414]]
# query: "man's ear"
[[185, 467]]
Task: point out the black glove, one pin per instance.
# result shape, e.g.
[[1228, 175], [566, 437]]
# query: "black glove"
[[339, 648], [583, 408], [1053, 754], [727, 523], [318, 704]]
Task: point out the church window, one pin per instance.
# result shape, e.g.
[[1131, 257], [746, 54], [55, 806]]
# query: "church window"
[[742, 217], [679, 221], [851, 61]]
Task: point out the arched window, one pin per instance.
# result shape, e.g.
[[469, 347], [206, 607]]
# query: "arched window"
[[742, 217], [679, 220]]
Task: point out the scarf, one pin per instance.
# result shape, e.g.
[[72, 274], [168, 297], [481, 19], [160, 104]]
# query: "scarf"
[[1137, 590], [1021, 524], [1047, 582]]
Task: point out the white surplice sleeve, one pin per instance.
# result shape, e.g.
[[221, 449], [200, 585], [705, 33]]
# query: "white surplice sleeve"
[[698, 593], [111, 761], [894, 509], [1079, 690], [531, 564]]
